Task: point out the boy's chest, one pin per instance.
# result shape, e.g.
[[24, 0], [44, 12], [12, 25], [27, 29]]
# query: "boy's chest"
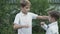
[[25, 19], [53, 27]]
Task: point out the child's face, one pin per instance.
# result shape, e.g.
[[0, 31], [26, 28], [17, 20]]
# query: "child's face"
[[26, 9], [50, 19]]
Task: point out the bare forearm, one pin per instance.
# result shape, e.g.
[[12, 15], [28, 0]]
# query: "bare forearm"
[[42, 17], [17, 26]]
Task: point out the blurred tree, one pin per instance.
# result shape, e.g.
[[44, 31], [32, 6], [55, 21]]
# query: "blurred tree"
[[39, 7], [9, 8]]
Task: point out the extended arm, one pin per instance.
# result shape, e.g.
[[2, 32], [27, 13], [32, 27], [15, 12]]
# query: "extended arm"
[[43, 17]]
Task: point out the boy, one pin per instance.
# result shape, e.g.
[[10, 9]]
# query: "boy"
[[23, 20], [52, 28]]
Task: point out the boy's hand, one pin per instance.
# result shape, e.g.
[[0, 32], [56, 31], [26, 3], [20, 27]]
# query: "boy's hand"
[[25, 26], [17, 26], [42, 23]]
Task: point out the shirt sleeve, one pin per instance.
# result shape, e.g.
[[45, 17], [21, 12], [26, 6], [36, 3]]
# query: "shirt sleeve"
[[16, 21], [34, 16], [44, 26]]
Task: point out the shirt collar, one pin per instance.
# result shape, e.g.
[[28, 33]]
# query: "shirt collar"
[[23, 13], [54, 23]]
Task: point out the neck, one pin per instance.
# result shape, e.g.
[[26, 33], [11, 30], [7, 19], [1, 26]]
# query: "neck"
[[53, 21], [24, 12]]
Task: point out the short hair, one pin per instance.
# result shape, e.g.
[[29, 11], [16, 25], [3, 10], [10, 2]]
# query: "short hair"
[[54, 14], [24, 3]]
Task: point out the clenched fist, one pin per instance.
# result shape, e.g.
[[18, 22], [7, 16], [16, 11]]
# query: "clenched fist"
[[42, 23]]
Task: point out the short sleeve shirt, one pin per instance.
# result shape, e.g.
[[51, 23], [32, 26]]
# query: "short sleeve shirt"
[[23, 19]]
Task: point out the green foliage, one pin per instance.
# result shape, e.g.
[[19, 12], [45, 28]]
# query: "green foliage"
[[7, 14], [39, 7], [9, 8]]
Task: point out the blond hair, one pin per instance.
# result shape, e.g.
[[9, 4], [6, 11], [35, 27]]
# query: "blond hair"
[[24, 3]]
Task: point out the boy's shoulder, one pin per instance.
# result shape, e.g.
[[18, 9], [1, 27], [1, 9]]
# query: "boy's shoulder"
[[30, 13]]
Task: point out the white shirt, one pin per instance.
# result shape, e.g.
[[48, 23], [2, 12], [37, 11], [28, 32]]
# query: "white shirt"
[[23, 19], [51, 28]]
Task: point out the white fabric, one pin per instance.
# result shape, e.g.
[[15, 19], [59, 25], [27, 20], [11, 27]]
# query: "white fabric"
[[52, 29], [23, 19]]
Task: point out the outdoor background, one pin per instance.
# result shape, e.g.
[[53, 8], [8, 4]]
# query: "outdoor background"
[[9, 8]]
